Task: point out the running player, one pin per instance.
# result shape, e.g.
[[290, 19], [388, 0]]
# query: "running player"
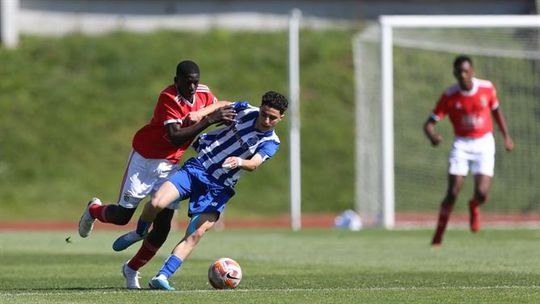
[[470, 105], [183, 110], [208, 180]]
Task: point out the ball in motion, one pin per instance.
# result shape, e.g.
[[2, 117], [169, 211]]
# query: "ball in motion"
[[224, 273]]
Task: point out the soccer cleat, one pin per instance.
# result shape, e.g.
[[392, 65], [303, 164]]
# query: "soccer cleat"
[[86, 223], [132, 277], [160, 282], [474, 213], [127, 240]]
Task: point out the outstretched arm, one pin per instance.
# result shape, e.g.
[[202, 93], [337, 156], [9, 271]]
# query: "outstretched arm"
[[179, 136], [429, 129], [251, 164], [196, 116], [499, 119]]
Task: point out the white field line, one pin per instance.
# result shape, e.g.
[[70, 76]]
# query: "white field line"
[[286, 290]]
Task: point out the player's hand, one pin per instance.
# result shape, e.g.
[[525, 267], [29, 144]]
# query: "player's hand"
[[435, 139], [508, 143], [225, 115], [193, 118], [232, 162]]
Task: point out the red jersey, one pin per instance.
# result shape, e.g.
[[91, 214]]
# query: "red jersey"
[[152, 140], [469, 111]]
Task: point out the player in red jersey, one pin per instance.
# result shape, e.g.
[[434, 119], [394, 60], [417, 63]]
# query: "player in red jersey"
[[183, 110], [470, 105]]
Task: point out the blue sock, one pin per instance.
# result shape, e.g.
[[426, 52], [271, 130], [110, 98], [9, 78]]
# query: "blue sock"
[[142, 227], [171, 265]]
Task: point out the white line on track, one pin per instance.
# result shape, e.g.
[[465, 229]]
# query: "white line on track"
[[195, 291]]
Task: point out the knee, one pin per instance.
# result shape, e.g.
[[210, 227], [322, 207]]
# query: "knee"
[[450, 198], [156, 202], [481, 195]]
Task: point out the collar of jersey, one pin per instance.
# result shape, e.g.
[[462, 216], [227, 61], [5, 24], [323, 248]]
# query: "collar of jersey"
[[180, 98], [473, 90]]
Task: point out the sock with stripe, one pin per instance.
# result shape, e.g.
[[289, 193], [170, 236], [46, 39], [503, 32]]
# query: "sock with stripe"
[[98, 212]]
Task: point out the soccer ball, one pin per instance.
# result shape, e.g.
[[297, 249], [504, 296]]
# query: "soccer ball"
[[224, 273]]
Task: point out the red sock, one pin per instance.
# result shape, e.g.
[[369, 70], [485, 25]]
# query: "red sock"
[[143, 256], [98, 212], [444, 215], [474, 215]]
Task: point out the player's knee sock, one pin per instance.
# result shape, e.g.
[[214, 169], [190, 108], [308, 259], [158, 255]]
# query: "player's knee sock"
[[118, 215], [444, 216], [98, 212], [154, 240], [160, 228], [170, 266], [474, 214], [143, 256], [114, 214]]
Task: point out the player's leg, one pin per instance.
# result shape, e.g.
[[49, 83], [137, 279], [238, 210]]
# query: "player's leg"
[[136, 184], [166, 195], [458, 167], [207, 200], [149, 247], [455, 183], [199, 224], [482, 166], [482, 184]]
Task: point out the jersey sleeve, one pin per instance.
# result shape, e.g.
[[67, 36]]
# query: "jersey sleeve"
[[166, 112], [441, 109], [240, 105], [211, 99], [267, 149]]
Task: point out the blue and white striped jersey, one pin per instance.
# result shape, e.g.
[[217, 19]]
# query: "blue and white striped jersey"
[[240, 139]]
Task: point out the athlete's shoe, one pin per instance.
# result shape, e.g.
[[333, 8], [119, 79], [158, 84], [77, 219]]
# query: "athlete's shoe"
[[127, 240], [132, 277], [86, 223], [160, 282], [474, 213]]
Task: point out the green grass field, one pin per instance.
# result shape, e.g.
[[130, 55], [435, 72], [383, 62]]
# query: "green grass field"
[[312, 266]]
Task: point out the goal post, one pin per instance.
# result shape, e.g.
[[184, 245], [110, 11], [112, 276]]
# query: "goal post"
[[9, 36], [426, 45]]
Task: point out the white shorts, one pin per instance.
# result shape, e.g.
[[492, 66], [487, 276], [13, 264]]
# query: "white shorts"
[[143, 177], [476, 154]]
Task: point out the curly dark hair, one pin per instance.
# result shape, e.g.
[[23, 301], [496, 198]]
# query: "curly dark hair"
[[275, 100]]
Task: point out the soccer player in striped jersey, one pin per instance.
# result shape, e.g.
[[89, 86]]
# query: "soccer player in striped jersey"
[[208, 180], [470, 105], [183, 110]]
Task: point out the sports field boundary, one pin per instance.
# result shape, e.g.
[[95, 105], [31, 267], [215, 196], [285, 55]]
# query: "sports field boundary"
[[309, 221], [272, 290]]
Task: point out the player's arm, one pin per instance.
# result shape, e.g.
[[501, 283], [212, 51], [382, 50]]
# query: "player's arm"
[[196, 116], [251, 164], [179, 135], [501, 122], [429, 129]]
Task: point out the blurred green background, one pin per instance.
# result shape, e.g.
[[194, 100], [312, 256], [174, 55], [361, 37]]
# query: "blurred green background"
[[70, 106]]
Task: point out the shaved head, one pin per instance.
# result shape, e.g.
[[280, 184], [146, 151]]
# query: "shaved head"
[[187, 67]]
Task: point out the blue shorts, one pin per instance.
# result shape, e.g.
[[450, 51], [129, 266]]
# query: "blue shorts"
[[204, 192]]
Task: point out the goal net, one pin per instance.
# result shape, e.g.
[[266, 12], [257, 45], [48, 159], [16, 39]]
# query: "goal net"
[[402, 66]]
